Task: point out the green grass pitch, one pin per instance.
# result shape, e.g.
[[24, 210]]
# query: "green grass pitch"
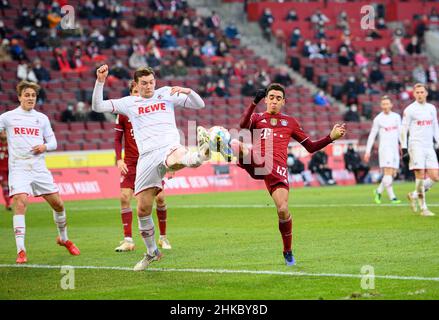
[[337, 231]]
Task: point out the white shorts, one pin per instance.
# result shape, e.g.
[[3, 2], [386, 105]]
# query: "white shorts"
[[151, 169], [388, 159], [422, 158], [34, 182]]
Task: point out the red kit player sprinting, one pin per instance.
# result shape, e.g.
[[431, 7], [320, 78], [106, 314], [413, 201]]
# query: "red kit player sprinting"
[[4, 169], [127, 167], [278, 128]]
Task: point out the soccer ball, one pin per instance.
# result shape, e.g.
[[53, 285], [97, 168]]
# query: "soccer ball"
[[219, 137], [219, 141]]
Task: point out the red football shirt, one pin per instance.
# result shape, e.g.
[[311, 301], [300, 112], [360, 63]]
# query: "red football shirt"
[[4, 156], [281, 128], [123, 124]]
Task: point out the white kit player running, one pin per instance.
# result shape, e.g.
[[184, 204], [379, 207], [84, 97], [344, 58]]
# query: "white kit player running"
[[420, 122], [158, 141], [29, 136], [387, 124]]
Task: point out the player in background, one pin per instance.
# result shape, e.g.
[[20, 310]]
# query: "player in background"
[[420, 122], [4, 170], [30, 136], [387, 124], [158, 141], [280, 128], [127, 167]]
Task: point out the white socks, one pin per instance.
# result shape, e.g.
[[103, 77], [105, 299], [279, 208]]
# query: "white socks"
[[61, 223], [428, 183], [146, 228], [420, 193], [387, 183], [20, 231]]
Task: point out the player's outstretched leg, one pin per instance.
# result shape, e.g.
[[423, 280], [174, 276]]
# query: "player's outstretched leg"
[[280, 197], [145, 200], [20, 205], [162, 214], [59, 216]]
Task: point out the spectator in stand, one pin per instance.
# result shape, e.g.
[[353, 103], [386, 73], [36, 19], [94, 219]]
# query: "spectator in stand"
[[376, 76], [86, 10], [351, 89], [208, 76], [262, 79], [431, 74], [184, 56], [433, 93], [394, 85], [221, 89], [381, 24], [40, 72], [61, 61], [344, 58], [77, 57], [295, 38], [24, 21], [3, 30], [81, 111], [319, 166], [397, 48], [321, 100], [17, 52], [170, 18], [213, 21], [354, 164], [291, 16], [101, 10], [185, 30], [207, 89], [168, 41], [196, 59], [138, 56], [141, 20], [383, 58], [352, 115], [5, 51], [166, 69], [360, 59], [53, 41], [223, 49], [208, 49], [342, 21], [319, 18], [421, 27], [265, 22], [179, 69], [240, 69], [25, 72], [407, 93], [119, 71], [34, 41], [414, 47], [295, 166], [323, 48], [4, 4], [231, 32], [248, 89], [419, 75], [67, 115], [283, 77]]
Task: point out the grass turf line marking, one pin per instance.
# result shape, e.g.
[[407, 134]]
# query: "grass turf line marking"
[[223, 271]]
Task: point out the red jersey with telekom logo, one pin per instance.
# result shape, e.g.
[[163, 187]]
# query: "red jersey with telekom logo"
[[3, 156], [278, 128], [123, 124]]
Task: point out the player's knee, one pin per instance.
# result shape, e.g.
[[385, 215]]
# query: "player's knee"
[[125, 200], [58, 205], [160, 200], [282, 210], [20, 204], [143, 210]]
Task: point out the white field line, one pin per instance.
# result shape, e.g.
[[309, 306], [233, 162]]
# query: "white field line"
[[225, 271], [199, 206]]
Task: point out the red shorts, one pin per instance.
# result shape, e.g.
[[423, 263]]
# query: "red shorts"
[[127, 180], [277, 178], [4, 176]]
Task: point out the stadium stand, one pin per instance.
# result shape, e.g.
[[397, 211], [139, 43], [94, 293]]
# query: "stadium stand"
[[123, 31], [328, 26]]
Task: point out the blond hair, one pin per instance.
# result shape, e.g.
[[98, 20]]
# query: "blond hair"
[[23, 85]]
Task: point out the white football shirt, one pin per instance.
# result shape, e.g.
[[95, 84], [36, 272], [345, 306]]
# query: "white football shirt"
[[420, 122], [26, 129], [388, 128], [153, 119]]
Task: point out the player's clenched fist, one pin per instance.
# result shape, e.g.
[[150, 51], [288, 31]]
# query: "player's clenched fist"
[[338, 131], [177, 90], [102, 73]]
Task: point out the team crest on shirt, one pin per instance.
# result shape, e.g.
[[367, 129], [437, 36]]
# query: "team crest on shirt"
[[284, 122], [159, 97], [273, 121]]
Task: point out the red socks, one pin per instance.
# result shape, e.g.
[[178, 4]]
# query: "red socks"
[[127, 219], [286, 230], [161, 215]]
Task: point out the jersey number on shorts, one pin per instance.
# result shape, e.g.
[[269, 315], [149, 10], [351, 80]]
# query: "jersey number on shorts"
[[282, 171]]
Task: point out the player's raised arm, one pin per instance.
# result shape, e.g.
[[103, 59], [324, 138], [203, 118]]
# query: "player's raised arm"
[[98, 103], [246, 120], [337, 132], [371, 139], [187, 98]]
